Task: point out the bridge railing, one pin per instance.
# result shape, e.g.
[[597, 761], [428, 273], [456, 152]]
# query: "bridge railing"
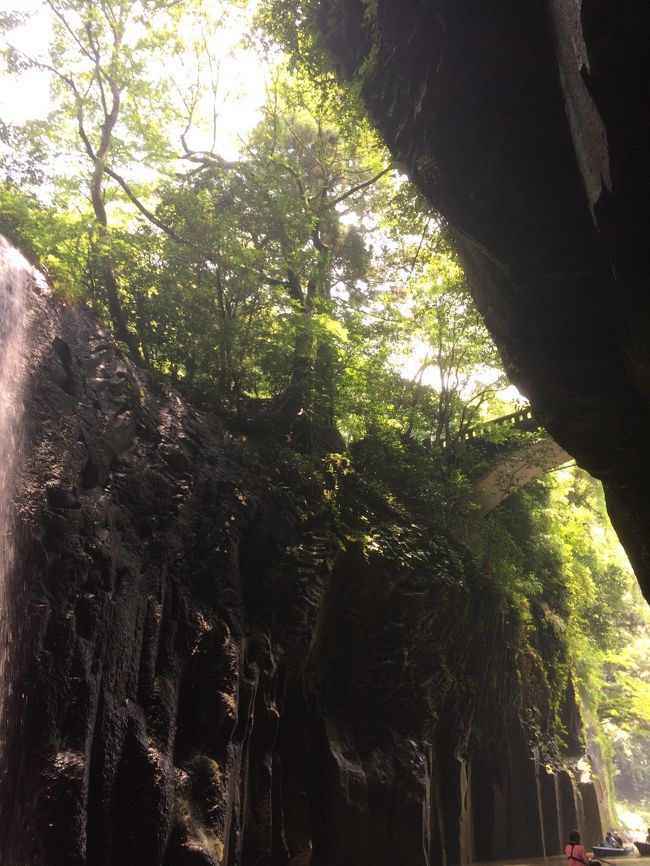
[[522, 419]]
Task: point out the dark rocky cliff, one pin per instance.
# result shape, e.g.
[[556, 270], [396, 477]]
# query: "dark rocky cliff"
[[224, 654], [526, 125]]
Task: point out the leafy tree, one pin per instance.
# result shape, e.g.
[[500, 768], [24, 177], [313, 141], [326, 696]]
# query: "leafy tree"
[[308, 176], [106, 60], [276, 270], [458, 375], [273, 245], [307, 269]]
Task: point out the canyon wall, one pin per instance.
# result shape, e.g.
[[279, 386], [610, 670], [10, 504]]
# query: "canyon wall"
[[525, 125], [223, 653]]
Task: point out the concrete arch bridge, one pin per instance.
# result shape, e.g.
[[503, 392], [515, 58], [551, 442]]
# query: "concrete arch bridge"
[[516, 461]]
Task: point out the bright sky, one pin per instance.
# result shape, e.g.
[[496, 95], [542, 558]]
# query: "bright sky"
[[410, 367], [30, 99], [241, 77]]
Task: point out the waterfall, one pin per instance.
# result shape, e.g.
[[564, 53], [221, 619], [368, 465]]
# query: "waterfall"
[[16, 275]]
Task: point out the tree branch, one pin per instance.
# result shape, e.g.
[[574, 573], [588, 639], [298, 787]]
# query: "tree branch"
[[358, 187], [69, 29], [151, 217], [273, 281]]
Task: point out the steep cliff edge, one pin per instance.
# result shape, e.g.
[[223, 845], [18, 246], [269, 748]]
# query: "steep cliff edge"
[[526, 126], [225, 654]]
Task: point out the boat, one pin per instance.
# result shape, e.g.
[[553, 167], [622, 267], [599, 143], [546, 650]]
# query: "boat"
[[604, 853], [644, 848]]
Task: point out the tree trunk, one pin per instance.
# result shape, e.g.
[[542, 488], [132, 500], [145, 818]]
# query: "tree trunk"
[[302, 367], [107, 273]]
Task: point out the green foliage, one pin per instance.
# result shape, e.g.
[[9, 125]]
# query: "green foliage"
[[550, 552], [625, 710], [58, 240], [298, 28], [106, 61], [257, 249], [307, 266]]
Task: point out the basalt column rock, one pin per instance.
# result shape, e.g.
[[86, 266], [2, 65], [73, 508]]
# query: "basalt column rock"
[[147, 684], [440, 790], [133, 667], [553, 842], [593, 825], [491, 810], [505, 800], [230, 657], [371, 770], [209, 675], [567, 805], [447, 780]]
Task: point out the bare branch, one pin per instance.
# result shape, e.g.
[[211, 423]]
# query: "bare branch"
[[206, 158], [82, 132], [47, 67], [69, 29], [273, 281], [98, 74], [360, 186], [151, 217], [420, 245]]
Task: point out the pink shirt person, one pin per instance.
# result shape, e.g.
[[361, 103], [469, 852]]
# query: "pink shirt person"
[[575, 851]]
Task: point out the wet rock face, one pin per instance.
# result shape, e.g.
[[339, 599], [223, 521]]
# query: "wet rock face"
[[524, 126], [130, 613], [201, 675]]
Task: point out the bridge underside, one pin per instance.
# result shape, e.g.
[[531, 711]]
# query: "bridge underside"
[[515, 469]]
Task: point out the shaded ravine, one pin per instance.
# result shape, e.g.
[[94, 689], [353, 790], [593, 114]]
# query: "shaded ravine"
[[218, 670]]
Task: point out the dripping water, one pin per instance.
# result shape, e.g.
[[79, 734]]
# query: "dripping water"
[[15, 276]]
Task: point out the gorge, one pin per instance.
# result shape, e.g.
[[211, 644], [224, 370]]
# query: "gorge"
[[230, 638], [212, 672]]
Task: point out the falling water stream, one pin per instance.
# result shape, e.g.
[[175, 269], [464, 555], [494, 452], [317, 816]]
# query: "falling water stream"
[[15, 276]]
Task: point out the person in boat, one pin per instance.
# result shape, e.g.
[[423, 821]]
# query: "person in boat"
[[575, 850], [611, 841]]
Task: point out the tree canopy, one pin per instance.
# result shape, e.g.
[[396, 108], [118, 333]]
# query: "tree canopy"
[[305, 272], [306, 264]]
